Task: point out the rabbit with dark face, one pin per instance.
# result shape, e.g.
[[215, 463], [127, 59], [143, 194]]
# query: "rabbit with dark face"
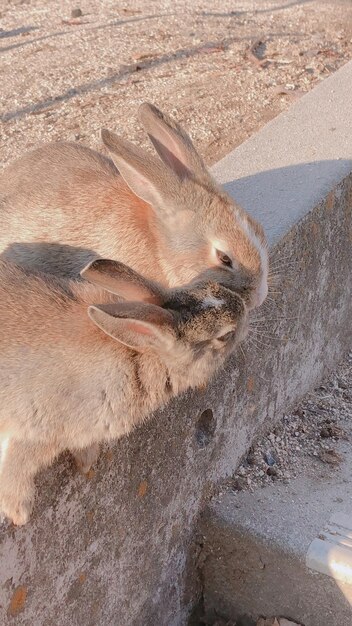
[[63, 205], [69, 380]]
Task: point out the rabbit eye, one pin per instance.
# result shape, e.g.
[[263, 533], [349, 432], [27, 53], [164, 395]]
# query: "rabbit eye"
[[224, 258], [230, 335]]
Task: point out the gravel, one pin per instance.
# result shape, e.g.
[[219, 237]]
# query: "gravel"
[[306, 438]]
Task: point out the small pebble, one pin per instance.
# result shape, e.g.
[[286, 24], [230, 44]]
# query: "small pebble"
[[325, 433], [239, 484], [76, 13], [271, 471], [342, 385], [269, 458], [251, 459]]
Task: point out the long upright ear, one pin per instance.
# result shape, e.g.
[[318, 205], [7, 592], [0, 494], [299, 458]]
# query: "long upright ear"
[[173, 144], [138, 326], [146, 176], [123, 281]]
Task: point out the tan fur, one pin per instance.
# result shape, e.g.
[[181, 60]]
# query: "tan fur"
[[63, 205], [69, 380]]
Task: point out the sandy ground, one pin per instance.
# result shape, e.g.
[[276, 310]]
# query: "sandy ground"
[[223, 68]]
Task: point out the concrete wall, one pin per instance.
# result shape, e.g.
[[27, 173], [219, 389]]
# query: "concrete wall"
[[118, 548]]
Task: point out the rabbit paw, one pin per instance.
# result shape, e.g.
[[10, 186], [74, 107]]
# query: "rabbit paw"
[[86, 457], [16, 508]]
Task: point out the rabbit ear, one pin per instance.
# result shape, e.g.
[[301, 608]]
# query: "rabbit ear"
[[120, 279], [138, 326], [149, 179], [172, 144]]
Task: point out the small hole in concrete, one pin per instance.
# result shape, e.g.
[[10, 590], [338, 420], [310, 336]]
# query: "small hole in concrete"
[[205, 428]]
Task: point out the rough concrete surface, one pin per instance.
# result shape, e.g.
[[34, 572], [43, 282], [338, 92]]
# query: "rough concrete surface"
[[118, 548]]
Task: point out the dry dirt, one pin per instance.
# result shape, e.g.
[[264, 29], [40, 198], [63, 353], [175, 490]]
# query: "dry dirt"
[[311, 439], [223, 68]]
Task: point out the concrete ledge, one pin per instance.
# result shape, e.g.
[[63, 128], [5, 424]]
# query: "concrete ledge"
[[119, 548], [284, 171]]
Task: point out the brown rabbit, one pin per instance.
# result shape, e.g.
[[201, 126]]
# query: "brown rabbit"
[[69, 380], [63, 205]]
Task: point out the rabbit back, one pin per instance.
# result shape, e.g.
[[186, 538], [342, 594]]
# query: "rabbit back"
[[78, 199]]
